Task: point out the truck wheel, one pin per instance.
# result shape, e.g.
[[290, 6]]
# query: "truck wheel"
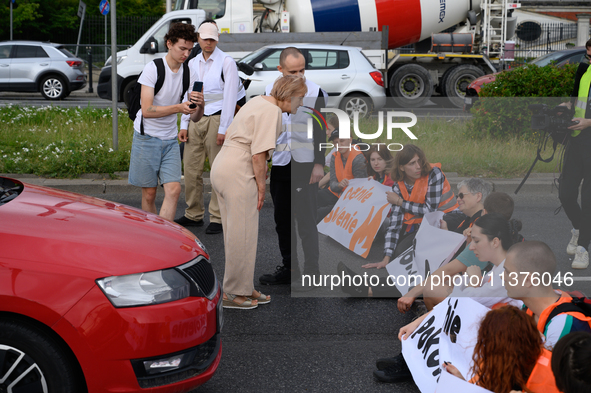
[[357, 103], [34, 362], [53, 88], [458, 79], [127, 90], [411, 86]]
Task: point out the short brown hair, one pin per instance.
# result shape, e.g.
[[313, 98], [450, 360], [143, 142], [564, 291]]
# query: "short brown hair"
[[181, 31], [499, 202], [288, 86], [588, 44], [289, 51], [403, 157]]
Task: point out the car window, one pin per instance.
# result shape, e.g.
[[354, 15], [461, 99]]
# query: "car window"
[[574, 59], [159, 35], [29, 51], [5, 51], [326, 59], [271, 61], [547, 59], [65, 51]]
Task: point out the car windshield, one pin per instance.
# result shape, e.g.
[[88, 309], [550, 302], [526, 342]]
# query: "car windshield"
[[248, 58], [65, 51], [9, 190], [547, 59]]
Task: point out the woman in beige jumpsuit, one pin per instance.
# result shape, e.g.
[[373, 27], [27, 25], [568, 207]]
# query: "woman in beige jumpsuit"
[[238, 176]]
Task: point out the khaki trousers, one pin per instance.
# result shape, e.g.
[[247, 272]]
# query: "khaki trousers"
[[201, 144]]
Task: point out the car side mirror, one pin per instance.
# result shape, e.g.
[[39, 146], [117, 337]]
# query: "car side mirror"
[[258, 67], [150, 46], [246, 68]]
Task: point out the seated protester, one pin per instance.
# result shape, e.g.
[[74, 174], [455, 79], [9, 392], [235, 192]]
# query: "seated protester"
[[419, 188], [379, 158], [346, 164], [509, 354], [491, 238], [471, 194], [537, 259], [571, 363], [495, 202]]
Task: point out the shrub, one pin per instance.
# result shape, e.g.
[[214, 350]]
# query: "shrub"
[[503, 110]]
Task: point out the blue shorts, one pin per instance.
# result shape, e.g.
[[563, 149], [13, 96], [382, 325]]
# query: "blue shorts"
[[153, 159]]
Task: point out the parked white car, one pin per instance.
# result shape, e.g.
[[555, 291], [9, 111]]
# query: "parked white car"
[[349, 78]]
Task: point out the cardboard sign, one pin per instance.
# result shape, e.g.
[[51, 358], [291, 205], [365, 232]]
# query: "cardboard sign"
[[449, 334], [433, 247], [357, 216], [451, 384]]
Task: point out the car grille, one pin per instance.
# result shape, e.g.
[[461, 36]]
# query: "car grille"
[[201, 273], [202, 356]]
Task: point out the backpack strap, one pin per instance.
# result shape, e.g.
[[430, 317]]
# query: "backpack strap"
[[575, 305], [160, 75], [186, 79]]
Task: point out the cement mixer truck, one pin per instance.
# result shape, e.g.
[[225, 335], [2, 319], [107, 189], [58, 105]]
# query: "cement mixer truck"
[[455, 41]]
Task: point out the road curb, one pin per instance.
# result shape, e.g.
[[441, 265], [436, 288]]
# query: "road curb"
[[537, 183]]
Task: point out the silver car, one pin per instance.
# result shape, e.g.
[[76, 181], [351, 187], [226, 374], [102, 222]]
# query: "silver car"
[[349, 78], [40, 66]]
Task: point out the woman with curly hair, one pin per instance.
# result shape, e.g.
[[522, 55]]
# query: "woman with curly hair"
[[509, 354]]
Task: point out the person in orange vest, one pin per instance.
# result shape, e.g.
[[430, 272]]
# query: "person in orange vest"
[[419, 188], [571, 363], [509, 354], [529, 272], [347, 163]]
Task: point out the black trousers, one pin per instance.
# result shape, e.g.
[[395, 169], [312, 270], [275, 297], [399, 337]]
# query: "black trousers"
[[294, 200], [577, 168]]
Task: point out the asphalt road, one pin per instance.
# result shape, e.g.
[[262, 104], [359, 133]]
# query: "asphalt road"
[[330, 344]]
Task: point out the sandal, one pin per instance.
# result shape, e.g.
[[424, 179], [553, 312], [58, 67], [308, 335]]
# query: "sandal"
[[231, 303], [262, 299]]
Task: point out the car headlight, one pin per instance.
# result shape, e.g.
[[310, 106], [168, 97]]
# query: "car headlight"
[[143, 289]]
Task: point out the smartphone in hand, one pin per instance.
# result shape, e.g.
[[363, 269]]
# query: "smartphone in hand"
[[197, 86]]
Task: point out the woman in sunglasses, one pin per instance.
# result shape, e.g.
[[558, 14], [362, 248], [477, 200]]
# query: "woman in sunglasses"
[[419, 188]]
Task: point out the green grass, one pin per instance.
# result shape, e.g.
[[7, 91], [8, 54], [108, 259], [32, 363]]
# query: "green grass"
[[65, 143]]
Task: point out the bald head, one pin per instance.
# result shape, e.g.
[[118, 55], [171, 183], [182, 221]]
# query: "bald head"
[[532, 257], [291, 62]]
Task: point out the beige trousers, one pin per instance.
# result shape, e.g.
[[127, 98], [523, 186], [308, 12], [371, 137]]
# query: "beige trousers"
[[232, 178], [201, 144]]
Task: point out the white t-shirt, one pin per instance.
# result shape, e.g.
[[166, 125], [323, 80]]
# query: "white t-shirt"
[[491, 292], [164, 128]]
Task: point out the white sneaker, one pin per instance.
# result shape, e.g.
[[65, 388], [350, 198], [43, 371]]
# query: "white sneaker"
[[581, 260], [571, 249]]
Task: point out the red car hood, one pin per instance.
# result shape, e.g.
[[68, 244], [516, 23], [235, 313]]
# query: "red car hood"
[[90, 236]]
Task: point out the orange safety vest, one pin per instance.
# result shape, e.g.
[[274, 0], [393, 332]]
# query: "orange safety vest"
[[541, 379], [419, 194], [564, 298], [344, 171]]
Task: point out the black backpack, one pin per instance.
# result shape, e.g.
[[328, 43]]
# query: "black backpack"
[[134, 97], [579, 303]]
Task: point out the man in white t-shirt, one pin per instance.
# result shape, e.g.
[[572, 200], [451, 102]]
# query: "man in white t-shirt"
[[155, 155]]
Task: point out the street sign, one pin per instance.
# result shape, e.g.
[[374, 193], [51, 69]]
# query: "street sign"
[[104, 7], [81, 9]]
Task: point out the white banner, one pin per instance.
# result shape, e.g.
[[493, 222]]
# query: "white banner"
[[433, 247], [452, 384], [448, 334], [357, 216]]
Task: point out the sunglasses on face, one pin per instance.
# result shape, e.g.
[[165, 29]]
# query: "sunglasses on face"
[[461, 194]]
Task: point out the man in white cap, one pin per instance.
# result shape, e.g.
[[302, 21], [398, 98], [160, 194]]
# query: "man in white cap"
[[221, 89]]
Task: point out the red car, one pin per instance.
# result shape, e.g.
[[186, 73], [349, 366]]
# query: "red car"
[[101, 297], [560, 58]]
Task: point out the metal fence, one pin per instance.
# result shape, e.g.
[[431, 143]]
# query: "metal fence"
[[96, 35], [533, 39]]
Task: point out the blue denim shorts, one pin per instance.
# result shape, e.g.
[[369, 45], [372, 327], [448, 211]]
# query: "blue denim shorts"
[[153, 159]]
